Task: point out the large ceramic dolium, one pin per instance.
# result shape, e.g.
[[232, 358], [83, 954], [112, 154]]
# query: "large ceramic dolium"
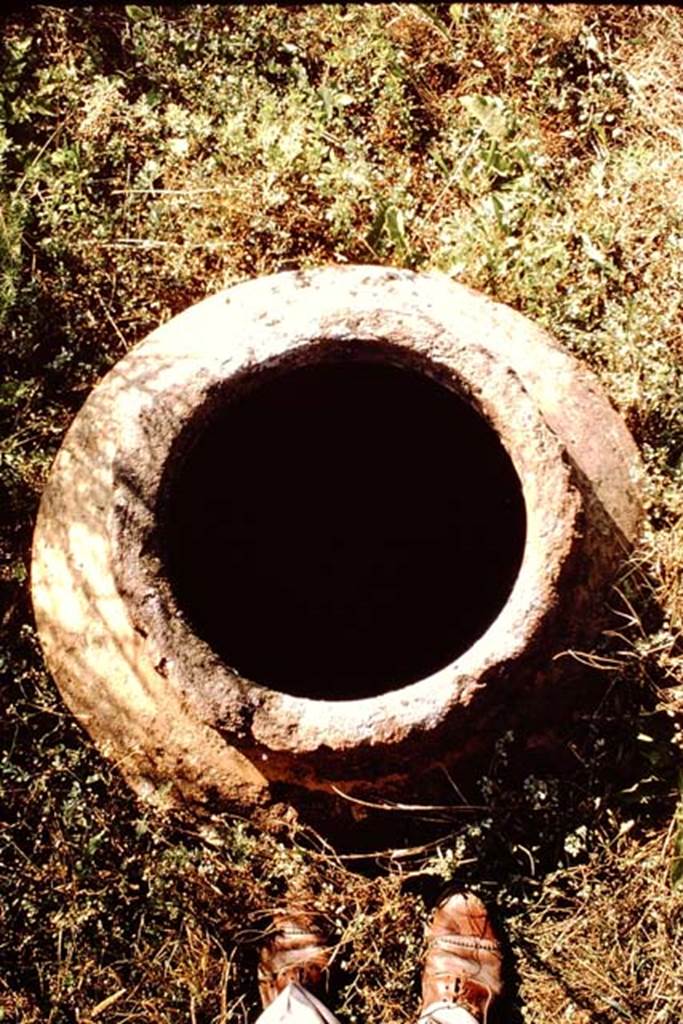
[[324, 531]]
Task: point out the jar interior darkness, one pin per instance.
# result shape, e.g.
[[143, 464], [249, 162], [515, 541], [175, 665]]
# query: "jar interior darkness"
[[340, 530]]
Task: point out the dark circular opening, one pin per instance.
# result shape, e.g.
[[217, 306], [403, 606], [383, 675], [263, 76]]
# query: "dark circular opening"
[[340, 530]]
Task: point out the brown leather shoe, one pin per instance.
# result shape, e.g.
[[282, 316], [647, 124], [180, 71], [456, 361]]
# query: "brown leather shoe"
[[464, 958], [295, 951]]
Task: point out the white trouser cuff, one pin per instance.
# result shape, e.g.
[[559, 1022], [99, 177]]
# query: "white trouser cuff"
[[295, 1005], [446, 1013]]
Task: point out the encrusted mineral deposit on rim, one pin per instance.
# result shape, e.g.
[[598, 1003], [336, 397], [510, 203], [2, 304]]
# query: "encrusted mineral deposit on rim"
[[153, 691]]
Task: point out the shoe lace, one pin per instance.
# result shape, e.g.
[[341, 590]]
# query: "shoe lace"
[[465, 999], [463, 991]]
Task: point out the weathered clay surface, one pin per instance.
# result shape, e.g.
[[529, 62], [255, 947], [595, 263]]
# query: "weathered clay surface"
[[155, 697]]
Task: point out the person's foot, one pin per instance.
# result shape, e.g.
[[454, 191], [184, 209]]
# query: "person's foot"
[[463, 964], [295, 951]]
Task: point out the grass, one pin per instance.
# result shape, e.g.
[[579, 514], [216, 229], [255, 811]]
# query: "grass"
[[152, 155]]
